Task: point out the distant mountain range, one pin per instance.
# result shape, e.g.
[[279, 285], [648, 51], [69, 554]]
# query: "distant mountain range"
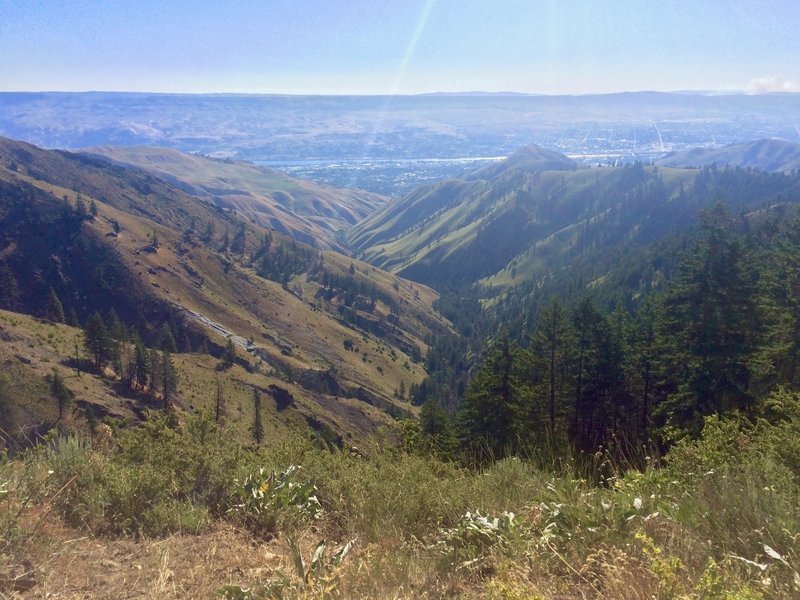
[[258, 127]]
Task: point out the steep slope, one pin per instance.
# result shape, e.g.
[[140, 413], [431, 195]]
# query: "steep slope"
[[312, 213], [444, 203], [767, 155], [336, 337], [524, 223]]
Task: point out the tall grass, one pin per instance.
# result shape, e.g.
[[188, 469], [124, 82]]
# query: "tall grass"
[[717, 518]]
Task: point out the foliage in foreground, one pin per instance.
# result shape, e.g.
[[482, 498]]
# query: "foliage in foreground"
[[716, 518]]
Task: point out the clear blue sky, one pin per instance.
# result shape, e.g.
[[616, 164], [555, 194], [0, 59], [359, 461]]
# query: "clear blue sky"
[[399, 46]]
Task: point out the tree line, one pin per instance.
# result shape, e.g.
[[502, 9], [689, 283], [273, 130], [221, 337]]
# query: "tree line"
[[722, 334]]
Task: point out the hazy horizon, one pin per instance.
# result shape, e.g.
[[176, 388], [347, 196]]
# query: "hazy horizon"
[[409, 48]]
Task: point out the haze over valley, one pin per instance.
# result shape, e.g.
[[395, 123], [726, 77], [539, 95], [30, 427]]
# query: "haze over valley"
[[391, 144]]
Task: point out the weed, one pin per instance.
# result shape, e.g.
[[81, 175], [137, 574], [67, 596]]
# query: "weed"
[[265, 501], [318, 577]]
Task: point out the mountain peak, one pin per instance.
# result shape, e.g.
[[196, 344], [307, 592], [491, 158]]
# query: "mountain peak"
[[527, 158]]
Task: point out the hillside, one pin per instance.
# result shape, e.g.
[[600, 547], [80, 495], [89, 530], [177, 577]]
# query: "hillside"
[[312, 213], [335, 336], [767, 155], [515, 222]]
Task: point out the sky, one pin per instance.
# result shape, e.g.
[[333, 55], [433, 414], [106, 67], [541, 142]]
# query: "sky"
[[399, 46]]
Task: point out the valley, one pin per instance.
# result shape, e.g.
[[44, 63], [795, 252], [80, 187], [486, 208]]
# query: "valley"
[[472, 368]]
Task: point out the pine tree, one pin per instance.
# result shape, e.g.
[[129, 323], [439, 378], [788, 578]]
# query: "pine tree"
[[55, 311], [219, 402], [486, 421], [141, 363], [169, 379], [80, 208], [599, 378], [258, 427], [154, 371], [226, 242], [60, 392], [550, 347], [7, 417], [9, 291], [435, 423], [229, 354], [717, 322], [96, 339], [166, 340]]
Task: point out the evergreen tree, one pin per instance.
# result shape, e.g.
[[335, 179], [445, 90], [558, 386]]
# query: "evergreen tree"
[[116, 328], [219, 402], [141, 363], [229, 354], [169, 379], [154, 371], [166, 340], [599, 377], [645, 353], [550, 349], [486, 420], [435, 423], [96, 339], [80, 208], [226, 242], [9, 291], [779, 300], [60, 392], [258, 427], [717, 322], [55, 311]]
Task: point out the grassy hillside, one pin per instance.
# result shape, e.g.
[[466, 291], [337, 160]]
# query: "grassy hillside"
[[767, 155], [523, 224], [156, 255], [312, 213]]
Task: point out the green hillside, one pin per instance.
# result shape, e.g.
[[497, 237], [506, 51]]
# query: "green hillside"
[[523, 224], [312, 213], [766, 155], [339, 336]]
